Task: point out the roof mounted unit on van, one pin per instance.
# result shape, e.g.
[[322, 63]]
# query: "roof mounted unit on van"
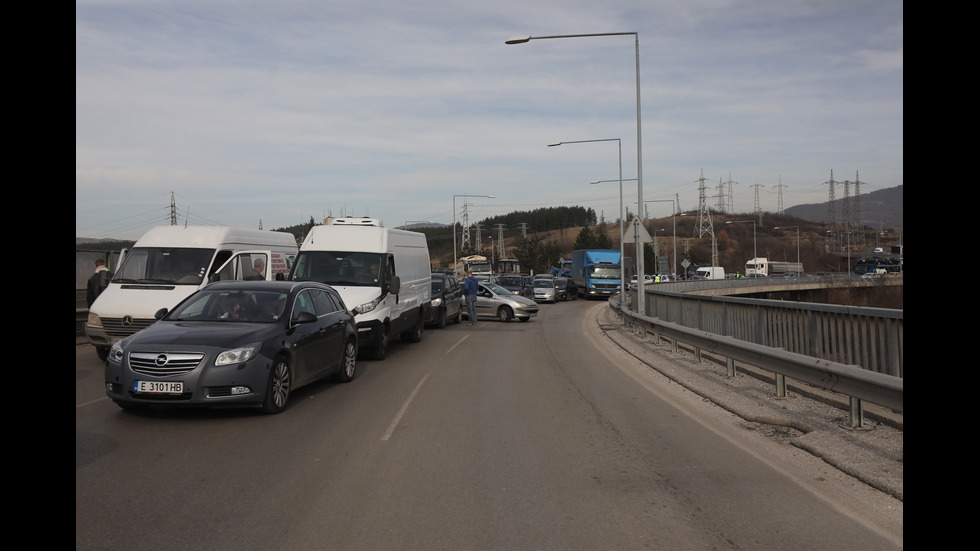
[[358, 222]]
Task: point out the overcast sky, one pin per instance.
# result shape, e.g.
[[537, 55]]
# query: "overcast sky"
[[272, 112]]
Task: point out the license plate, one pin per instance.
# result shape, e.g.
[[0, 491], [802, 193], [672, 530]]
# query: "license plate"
[[158, 387]]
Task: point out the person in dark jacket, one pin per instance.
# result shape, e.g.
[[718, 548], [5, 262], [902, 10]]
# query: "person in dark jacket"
[[97, 282], [470, 288]]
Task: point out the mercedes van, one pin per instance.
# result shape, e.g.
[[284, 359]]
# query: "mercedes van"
[[168, 263]]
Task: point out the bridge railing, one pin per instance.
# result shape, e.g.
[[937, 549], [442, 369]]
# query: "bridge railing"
[[855, 351]]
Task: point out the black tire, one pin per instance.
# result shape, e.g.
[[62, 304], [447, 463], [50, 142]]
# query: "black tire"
[[415, 333], [102, 352], [504, 314], [441, 324], [379, 352], [524, 319], [459, 315], [278, 387], [348, 363]]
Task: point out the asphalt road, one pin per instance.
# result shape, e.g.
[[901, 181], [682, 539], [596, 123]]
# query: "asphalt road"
[[566, 432]]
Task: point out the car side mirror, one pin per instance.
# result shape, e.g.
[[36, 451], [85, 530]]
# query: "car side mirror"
[[396, 285], [304, 317], [160, 313]]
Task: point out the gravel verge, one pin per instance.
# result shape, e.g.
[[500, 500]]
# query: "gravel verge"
[[809, 419]]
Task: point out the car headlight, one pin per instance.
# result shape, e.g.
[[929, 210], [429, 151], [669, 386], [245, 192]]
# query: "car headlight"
[[238, 355], [436, 302], [94, 320], [115, 353]]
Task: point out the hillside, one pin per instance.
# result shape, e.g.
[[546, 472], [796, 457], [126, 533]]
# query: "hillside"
[[879, 209], [818, 248]]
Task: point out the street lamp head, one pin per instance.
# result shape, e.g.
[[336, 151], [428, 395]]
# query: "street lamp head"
[[554, 144], [518, 39]]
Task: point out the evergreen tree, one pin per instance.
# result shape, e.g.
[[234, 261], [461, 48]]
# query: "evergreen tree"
[[585, 239]]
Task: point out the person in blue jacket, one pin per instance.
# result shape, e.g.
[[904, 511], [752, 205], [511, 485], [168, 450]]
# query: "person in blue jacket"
[[470, 288]]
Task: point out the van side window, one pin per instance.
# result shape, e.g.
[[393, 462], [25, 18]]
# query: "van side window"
[[219, 259], [254, 267]]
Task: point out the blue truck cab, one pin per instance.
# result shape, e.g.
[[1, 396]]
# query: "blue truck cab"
[[596, 272]]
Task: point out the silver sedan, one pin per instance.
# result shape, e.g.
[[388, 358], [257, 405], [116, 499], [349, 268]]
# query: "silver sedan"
[[493, 301]]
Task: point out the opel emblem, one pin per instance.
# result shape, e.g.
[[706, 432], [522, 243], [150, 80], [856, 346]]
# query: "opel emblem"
[[161, 360], [127, 321]]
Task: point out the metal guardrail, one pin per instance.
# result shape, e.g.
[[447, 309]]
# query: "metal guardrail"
[[856, 352]]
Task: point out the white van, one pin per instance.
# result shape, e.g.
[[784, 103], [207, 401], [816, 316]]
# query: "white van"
[[711, 272], [169, 263], [382, 274]]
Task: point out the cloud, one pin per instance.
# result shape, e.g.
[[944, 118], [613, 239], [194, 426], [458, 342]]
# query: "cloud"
[[251, 111]]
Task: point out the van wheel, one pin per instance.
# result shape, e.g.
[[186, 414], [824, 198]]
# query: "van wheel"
[[102, 352], [381, 350], [277, 390], [415, 333], [504, 314]]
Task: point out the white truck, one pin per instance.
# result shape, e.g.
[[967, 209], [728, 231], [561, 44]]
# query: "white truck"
[[763, 267], [168, 263], [479, 264], [711, 272], [383, 274]]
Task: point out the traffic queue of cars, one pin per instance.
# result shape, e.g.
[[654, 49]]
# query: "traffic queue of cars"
[[254, 343]]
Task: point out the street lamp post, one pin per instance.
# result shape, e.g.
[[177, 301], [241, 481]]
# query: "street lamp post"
[[797, 239], [674, 216], [656, 248], [622, 257], [755, 253], [641, 308], [454, 222]]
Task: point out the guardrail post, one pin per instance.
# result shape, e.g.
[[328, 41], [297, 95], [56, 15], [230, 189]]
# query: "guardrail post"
[[780, 386], [730, 363], [857, 413]]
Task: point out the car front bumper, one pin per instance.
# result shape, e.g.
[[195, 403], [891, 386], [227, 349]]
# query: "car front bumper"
[[234, 385]]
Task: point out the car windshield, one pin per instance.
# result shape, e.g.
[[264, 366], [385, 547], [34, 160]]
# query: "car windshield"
[[511, 281], [230, 306], [545, 283], [497, 289], [436, 285]]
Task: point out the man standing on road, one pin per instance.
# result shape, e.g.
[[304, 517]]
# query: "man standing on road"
[[470, 287], [97, 282]]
